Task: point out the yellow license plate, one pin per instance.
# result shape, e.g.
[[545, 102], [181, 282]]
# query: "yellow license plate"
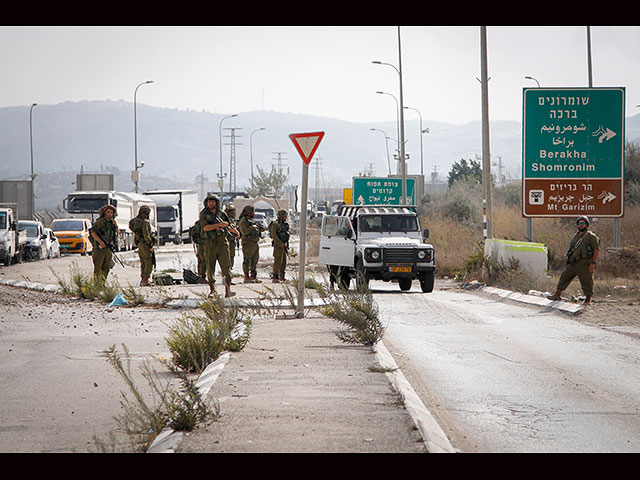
[[400, 269]]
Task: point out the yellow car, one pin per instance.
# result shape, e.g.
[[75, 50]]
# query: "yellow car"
[[73, 235]]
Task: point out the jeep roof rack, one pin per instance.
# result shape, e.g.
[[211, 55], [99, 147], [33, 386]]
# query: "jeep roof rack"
[[353, 210]]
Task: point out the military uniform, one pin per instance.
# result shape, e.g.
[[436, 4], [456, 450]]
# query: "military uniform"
[[198, 241], [279, 231], [141, 227], [216, 246], [583, 251], [102, 257], [231, 238], [250, 237]]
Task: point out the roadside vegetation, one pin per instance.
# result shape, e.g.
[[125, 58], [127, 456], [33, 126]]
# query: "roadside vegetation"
[[196, 339], [455, 221]]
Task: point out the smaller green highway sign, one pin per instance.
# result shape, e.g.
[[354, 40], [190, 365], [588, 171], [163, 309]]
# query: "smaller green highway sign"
[[381, 191]]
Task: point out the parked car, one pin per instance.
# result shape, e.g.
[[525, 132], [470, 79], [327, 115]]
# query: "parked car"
[[35, 248], [52, 244], [73, 235]]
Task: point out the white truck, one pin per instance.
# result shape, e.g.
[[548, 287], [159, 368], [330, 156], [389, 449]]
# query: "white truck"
[[85, 204], [377, 242], [12, 241], [178, 210]]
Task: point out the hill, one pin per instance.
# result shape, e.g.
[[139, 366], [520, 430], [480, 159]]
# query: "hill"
[[178, 145]]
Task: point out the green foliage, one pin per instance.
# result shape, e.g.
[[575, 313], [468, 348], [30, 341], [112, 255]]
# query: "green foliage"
[[465, 170], [268, 184]]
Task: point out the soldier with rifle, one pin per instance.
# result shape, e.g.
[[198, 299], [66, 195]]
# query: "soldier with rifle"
[[104, 234], [279, 231], [145, 241], [581, 261], [215, 228], [251, 234]]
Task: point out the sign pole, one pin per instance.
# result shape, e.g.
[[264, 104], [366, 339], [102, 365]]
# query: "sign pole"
[[303, 242], [306, 144]]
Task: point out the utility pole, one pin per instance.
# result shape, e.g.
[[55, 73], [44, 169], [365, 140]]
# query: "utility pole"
[[486, 150], [232, 158]]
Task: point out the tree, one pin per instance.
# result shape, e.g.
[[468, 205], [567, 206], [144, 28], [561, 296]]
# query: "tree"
[[465, 170], [267, 184]]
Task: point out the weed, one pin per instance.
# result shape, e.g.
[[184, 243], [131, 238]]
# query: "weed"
[[358, 311]]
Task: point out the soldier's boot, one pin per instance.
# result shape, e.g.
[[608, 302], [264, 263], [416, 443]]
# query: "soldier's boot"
[[247, 278], [587, 300], [144, 282], [555, 296], [254, 277], [275, 280], [212, 291], [227, 290]]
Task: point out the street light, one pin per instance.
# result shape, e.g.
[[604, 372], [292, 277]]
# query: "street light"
[[531, 78], [387, 144], [221, 177], [33, 176], [136, 176], [251, 151], [422, 132], [397, 112], [401, 110]]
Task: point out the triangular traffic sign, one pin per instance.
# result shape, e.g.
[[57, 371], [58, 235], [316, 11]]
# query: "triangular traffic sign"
[[306, 144]]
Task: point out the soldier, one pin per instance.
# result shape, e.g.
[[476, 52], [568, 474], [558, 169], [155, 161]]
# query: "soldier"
[[279, 231], [104, 234], [581, 261], [141, 227], [230, 210], [250, 233], [215, 224], [195, 233]]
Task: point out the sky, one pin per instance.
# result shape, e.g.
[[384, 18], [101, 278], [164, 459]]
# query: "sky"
[[315, 70]]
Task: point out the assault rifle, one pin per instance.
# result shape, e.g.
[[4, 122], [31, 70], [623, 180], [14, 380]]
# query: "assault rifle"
[[109, 245]]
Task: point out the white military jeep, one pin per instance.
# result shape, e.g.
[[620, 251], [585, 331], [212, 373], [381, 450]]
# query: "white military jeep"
[[373, 242]]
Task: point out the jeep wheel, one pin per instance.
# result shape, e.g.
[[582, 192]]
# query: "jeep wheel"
[[426, 282], [405, 284], [362, 276]]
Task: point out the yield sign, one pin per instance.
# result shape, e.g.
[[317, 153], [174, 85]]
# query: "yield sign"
[[306, 144]]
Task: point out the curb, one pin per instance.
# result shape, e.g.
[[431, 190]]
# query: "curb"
[[561, 305], [433, 437]]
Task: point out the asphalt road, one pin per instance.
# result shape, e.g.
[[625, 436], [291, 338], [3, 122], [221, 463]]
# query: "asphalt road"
[[503, 377]]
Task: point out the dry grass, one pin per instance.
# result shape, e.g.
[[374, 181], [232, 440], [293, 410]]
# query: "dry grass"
[[618, 271]]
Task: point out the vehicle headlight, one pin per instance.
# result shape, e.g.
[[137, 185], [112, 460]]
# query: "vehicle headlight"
[[425, 255], [372, 254]]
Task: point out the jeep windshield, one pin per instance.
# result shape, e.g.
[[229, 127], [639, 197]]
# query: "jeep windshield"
[[388, 223]]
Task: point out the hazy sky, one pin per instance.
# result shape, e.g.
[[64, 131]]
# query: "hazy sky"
[[325, 71]]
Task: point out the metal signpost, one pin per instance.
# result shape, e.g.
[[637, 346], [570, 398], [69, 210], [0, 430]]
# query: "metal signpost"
[[382, 191], [573, 152], [306, 144]]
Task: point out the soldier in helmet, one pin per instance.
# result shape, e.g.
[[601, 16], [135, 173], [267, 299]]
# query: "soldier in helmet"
[[230, 210], [104, 233], [141, 227], [581, 261], [251, 233], [215, 224], [279, 231]]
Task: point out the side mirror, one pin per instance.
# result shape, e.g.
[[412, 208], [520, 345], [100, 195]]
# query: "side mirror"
[[425, 233], [349, 234]]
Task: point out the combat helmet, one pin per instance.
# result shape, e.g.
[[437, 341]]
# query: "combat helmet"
[[585, 218], [211, 196], [282, 214]]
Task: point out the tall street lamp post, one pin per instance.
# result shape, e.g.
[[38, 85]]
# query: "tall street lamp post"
[[136, 175]]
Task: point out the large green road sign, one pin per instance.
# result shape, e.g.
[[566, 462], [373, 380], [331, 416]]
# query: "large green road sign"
[[573, 151], [381, 191]]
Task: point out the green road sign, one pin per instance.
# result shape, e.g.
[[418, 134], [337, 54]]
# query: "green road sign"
[[573, 133], [381, 191], [573, 151]]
